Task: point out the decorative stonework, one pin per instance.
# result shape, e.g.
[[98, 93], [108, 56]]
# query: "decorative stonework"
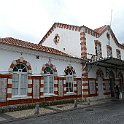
[[85, 86], [51, 66], [83, 45], [108, 36], [69, 69], [56, 39], [21, 60]]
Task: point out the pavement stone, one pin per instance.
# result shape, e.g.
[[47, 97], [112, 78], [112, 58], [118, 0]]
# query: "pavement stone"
[[2, 119], [9, 116]]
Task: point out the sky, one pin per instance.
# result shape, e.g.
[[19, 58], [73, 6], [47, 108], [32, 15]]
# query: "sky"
[[29, 20]]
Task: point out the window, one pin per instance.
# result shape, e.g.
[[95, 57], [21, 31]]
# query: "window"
[[69, 79], [48, 80], [19, 80], [98, 50], [69, 83], [109, 51], [118, 54]]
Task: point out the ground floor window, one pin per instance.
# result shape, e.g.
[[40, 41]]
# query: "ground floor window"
[[19, 80], [69, 84], [19, 84], [48, 84]]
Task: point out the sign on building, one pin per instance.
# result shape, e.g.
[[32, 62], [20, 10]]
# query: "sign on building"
[[3, 85]]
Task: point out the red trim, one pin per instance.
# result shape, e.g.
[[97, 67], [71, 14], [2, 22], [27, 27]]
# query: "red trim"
[[82, 38], [9, 85], [86, 95], [85, 79], [9, 95], [82, 33], [30, 86], [41, 85], [85, 84], [30, 94]]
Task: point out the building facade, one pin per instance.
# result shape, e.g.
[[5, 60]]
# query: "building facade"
[[69, 62], [104, 56]]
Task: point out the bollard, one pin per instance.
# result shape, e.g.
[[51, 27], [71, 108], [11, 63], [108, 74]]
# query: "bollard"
[[75, 103], [37, 108]]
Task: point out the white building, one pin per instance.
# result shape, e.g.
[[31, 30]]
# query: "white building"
[[69, 62]]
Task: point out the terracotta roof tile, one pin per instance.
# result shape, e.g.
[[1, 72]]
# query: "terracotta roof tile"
[[32, 46], [101, 29]]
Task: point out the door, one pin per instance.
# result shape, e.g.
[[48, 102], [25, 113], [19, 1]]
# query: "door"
[[100, 87]]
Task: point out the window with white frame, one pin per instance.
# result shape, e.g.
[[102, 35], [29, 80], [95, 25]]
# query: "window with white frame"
[[48, 80], [69, 80], [19, 80]]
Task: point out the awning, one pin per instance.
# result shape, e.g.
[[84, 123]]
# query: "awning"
[[109, 63]]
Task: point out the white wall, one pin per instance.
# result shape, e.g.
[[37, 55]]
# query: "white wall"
[[90, 44], [70, 40], [12, 53], [104, 41]]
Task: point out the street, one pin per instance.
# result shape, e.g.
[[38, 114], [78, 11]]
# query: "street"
[[109, 113]]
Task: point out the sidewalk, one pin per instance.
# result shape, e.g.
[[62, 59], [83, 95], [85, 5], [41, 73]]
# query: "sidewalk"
[[11, 116]]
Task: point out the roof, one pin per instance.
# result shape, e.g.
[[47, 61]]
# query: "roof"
[[96, 32], [28, 45], [59, 25], [109, 62], [101, 29]]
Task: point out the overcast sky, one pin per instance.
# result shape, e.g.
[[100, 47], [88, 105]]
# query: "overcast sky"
[[29, 20]]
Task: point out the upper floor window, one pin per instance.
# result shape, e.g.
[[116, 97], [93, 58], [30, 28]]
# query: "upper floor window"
[[118, 53], [109, 51], [98, 49], [19, 80]]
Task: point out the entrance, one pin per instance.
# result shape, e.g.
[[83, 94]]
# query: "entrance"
[[100, 87]]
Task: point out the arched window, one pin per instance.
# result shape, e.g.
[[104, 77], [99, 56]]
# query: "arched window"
[[48, 70], [69, 72], [48, 80], [19, 80]]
